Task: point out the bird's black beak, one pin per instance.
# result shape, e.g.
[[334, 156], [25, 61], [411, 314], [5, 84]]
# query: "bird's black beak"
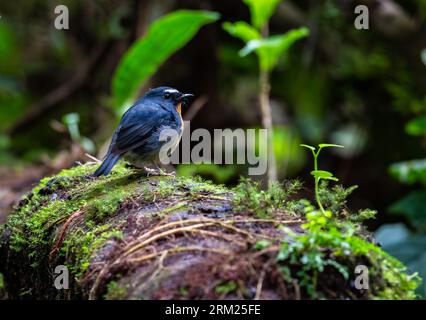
[[186, 96]]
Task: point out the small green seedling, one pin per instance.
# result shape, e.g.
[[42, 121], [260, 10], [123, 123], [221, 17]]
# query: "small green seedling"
[[321, 174], [71, 121]]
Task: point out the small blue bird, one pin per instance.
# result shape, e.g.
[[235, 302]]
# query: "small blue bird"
[[137, 138]]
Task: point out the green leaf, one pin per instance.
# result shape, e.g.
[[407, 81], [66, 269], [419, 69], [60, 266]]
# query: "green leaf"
[[262, 244], [270, 49], [241, 30], [417, 126], [226, 287], [321, 174], [413, 207], [87, 145], [328, 214], [409, 172], [290, 157], [308, 146], [330, 145], [71, 119], [261, 11], [164, 37]]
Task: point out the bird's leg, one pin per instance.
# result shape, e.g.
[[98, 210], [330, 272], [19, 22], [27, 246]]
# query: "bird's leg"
[[158, 171], [151, 172], [164, 173], [169, 174]]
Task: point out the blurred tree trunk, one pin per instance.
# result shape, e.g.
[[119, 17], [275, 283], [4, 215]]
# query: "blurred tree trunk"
[[265, 109]]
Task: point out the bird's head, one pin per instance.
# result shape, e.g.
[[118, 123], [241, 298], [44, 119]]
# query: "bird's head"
[[169, 97]]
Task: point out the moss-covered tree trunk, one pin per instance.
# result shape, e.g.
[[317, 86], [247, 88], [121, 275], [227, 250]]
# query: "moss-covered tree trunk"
[[133, 237]]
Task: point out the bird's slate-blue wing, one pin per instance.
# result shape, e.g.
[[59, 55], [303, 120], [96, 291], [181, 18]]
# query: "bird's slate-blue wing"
[[140, 121]]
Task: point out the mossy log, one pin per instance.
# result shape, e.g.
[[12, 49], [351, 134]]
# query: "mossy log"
[[128, 236]]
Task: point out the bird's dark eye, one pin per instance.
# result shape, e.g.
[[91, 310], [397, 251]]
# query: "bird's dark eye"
[[167, 96]]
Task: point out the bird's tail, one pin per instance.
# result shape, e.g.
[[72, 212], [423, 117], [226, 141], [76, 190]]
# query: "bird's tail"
[[106, 166]]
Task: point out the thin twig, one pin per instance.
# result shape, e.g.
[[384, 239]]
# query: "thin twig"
[[162, 235], [177, 250], [92, 157], [259, 285], [62, 233]]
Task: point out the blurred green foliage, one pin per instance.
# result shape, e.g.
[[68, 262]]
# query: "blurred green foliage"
[[417, 126], [261, 11], [163, 38], [268, 49], [412, 205], [12, 97], [71, 120]]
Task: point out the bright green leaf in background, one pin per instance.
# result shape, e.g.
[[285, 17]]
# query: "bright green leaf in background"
[[290, 158], [164, 37], [410, 172], [9, 59], [261, 11], [12, 98], [417, 126], [241, 30], [270, 49]]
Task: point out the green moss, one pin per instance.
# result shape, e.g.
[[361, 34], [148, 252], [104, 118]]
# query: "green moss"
[[180, 206], [196, 185], [181, 186], [226, 287], [115, 291], [335, 199], [55, 199], [80, 245], [250, 197], [31, 224], [164, 189], [191, 185], [36, 223], [328, 244]]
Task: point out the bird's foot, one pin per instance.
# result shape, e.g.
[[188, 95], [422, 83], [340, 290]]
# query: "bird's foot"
[[151, 172], [158, 172], [168, 174]]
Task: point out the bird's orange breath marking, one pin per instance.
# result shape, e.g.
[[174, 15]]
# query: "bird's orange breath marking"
[[179, 110]]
